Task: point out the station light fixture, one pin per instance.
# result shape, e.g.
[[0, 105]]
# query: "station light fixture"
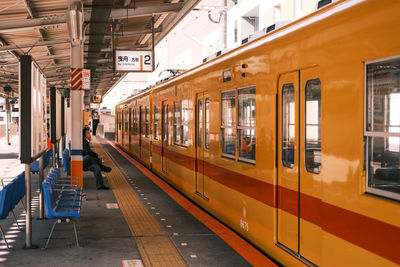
[[75, 21], [7, 89]]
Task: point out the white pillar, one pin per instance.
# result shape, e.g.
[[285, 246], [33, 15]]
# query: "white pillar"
[[75, 27]]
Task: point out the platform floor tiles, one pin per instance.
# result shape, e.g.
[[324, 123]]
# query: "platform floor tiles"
[[142, 225]]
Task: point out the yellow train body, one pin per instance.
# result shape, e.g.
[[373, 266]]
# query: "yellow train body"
[[322, 216]]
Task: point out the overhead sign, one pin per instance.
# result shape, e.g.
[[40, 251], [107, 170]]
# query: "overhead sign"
[[136, 61], [85, 79], [33, 122], [96, 99]]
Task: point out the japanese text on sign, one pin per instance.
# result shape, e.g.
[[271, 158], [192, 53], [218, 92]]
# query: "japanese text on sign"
[[133, 60]]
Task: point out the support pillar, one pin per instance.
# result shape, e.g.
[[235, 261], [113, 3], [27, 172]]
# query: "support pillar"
[[28, 221], [41, 179], [8, 114], [75, 27]]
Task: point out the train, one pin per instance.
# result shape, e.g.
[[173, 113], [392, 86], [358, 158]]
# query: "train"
[[291, 139]]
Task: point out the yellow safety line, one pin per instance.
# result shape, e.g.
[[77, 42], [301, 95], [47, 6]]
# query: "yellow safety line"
[[154, 245]]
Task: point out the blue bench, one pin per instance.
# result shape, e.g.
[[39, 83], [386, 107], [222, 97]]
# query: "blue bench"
[[62, 201], [10, 195], [35, 166]]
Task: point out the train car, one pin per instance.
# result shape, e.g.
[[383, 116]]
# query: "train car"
[[134, 131], [293, 139]]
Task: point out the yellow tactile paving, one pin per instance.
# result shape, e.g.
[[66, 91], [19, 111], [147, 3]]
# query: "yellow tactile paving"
[[154, 245]]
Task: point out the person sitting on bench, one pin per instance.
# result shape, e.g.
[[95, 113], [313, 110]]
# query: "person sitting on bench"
[[92, 161]]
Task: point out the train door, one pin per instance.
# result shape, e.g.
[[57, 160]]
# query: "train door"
[[165, 135], [288, 161], [299, 154], [202, 139]]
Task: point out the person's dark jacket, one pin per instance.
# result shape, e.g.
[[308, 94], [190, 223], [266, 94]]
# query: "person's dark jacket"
[[87, 149]]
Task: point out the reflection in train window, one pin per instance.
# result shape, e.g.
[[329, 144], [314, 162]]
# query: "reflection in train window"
[[185, 122], [177, 122], [126, 118], [156, 119], [147, 121], [207, 123], [313, 125], [200, 123], [382, 129], [288, 125], [131, 121], [165, 130], [228, 102], [135, 121], [247, 124], [119, 120]]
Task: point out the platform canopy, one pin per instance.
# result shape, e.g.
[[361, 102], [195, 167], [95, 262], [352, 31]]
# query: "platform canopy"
[[39, 28]]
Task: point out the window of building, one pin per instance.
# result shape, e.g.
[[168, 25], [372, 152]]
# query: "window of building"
[[313, 125], [288, 125], [277, 13], [235, 31], [382, 129], [177, 122], [247, 124], [156, 119], [185, 122], [228, 102], [147, 121]]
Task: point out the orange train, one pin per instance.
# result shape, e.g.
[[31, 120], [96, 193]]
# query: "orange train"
[[292, 139]]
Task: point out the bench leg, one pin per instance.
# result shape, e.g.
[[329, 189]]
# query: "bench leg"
[[51, 233], [16, 221], [4, 237], [76, 234]]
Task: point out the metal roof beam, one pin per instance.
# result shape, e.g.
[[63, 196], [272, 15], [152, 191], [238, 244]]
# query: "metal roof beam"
[[40, 59], [38, 44], [122, 13], [28, 24], [13, 53]]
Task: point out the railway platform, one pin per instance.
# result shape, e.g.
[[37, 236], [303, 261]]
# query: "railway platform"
[[141, 221]]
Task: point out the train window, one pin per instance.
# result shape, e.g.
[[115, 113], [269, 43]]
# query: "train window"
[[135, 121], [147, 121], [165, 134], [131, 121], [288, 125], [207, 123], [247, 124], [313, 125], [228, 102], [156, 119], [141, 121], [200, 123], [177, 122], [119, 121], [382, 129], [126, 118], [185, 122]]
